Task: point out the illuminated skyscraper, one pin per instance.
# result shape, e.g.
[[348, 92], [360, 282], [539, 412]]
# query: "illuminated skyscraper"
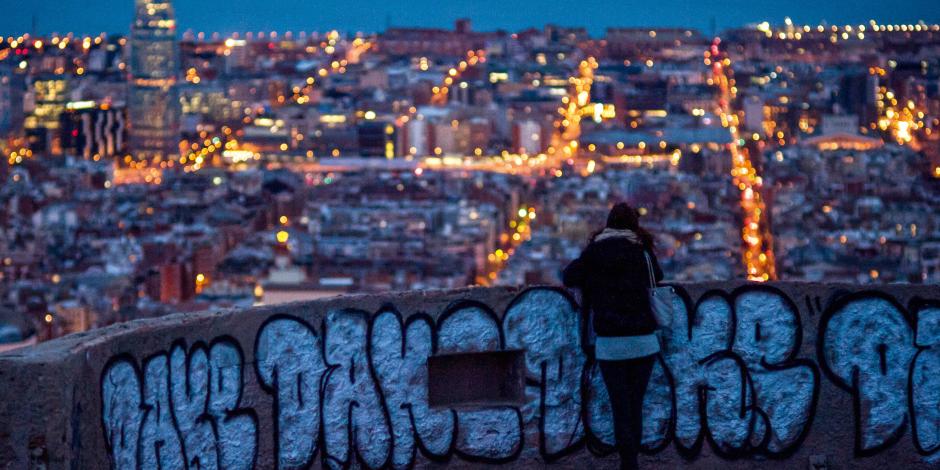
[[152, 105]]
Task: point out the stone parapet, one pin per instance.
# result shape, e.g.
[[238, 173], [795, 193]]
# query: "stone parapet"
[[778, 375]]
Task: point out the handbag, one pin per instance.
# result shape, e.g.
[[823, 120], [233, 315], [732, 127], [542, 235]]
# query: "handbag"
[[662, 299]]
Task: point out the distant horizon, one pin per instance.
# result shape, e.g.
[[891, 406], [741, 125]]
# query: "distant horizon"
[[226, 17]]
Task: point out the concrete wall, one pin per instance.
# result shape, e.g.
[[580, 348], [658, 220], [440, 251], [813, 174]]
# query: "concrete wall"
[[771, 376]]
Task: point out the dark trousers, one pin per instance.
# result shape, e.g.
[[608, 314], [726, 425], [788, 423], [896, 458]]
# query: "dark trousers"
[[626, 383]]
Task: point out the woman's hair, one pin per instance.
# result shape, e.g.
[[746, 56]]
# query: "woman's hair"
[[624, 217]]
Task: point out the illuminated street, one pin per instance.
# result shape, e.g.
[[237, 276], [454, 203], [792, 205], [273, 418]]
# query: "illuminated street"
[[755, 231]]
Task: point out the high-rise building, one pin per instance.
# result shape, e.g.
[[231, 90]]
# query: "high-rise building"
[[153, 109], [90, 130], [12, 86], [45, 101]]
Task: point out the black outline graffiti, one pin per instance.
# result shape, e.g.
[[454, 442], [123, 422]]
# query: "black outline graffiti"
[[272, 391], [449, 311], [139, 370], [135, 368], [813, 304], [918, 305], [353, 450], [670, 429], [791, 361], [835, 306], [419, 444], [582, 435], [237, 411], [146, 409], [369, 319], [577, 444]]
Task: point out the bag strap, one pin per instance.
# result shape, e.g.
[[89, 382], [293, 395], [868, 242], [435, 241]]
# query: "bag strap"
[[649, 269]]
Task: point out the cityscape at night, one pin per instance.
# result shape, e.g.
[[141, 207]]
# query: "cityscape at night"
[[158, 170], [164, 171]]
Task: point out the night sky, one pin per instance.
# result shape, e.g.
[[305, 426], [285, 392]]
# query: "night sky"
[[94, 16]]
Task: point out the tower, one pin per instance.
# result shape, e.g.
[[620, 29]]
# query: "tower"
[[152, 105]]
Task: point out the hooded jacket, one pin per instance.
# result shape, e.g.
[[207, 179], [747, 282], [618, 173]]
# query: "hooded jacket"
[[614, 282]]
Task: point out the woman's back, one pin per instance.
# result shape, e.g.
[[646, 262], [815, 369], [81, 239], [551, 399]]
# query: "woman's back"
[[613, 275], [614, 280]]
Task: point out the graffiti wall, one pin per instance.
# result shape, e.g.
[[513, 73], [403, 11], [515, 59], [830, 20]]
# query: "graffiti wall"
[[750, 372]]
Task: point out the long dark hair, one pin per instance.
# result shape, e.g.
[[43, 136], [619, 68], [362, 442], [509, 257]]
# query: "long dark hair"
[[624, 217]]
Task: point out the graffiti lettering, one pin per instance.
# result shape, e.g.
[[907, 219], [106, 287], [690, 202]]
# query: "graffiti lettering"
[[160, 445], [399, 358], [730, 377], [924, 385], [545, 324], [182, 412], [353, 415], [289, 366], [867, 347], [120, 411], [490, 435]]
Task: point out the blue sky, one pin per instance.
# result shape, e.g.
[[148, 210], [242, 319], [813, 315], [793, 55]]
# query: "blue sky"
[[93, 16]]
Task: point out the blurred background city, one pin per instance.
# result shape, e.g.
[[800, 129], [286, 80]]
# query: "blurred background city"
[[158, 170]]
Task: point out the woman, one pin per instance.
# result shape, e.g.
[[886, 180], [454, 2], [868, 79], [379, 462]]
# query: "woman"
[[613, 277]]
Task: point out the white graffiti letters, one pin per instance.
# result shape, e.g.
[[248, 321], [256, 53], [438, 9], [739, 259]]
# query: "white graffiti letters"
[[867, 350], [352, 391], [400, 361], [183, 410], [290, 365], [353, 415], [545, 324]]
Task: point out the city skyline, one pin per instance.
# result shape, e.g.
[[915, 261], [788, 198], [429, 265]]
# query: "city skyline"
[[94, 16], [163, 170], [383, 235]]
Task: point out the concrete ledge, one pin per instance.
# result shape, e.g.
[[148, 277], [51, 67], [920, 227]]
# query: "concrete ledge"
[[777, 375]]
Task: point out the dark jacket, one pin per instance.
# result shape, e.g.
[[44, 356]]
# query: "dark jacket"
[[614, 283]]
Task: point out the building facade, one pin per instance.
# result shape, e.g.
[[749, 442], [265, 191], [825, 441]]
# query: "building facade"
[[90, 131], [152, 104]]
